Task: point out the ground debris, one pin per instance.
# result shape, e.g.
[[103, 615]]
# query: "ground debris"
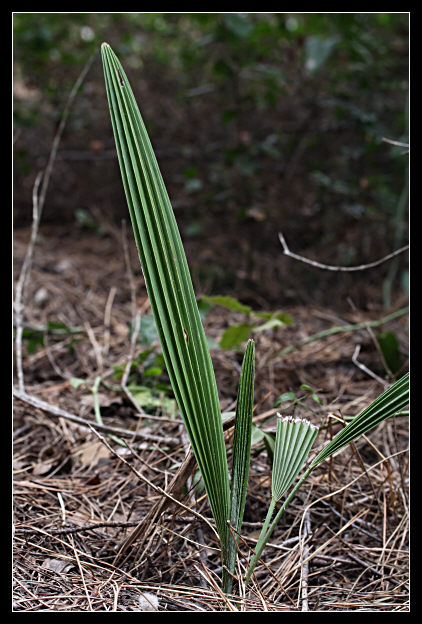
[[74, 502]]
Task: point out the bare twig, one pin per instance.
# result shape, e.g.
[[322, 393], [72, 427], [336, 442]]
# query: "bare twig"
[[19, 295], [60, 413], [60, 129], [95, 346], [136, 323], [107, 319], [329, 267], [305, 557], [342, 329], [366, 370], [38, 201], [135, 331], [392, 142]]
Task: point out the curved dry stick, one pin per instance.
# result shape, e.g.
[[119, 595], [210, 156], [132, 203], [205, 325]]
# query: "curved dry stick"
[[37, 206], [330, 267], [60, 413], [21, 282]]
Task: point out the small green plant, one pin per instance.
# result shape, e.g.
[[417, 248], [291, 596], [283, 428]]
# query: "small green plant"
[[291, 399], [254, 322], [186, 352]]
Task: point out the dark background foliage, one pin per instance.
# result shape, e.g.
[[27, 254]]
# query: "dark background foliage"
[[261, 122]]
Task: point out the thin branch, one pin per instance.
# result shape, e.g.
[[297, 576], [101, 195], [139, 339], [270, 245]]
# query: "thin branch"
[[60, 413], [107, 319], [304, 571], [342, 329], [19, 295], [38, 201], [61, 127], [78, 529], [136, 323], [329, 267], [366, 370], [392, 142]]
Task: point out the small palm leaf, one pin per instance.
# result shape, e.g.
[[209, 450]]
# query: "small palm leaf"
[[293, 441], [241, 450]]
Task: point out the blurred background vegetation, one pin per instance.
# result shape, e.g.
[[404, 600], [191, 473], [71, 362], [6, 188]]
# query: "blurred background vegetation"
[[261, 122]]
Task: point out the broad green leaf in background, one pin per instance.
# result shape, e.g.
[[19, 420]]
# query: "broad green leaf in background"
[[148, 330], [390, 349], [235, 335], [227, 302], [284, 318], [148, 398]]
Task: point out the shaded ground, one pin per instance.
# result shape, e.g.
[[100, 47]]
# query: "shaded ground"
[[75, 500]]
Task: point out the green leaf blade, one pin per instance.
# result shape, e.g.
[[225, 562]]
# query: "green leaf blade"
[[390, 402], [170, 290], [227, 302], [242, 445]]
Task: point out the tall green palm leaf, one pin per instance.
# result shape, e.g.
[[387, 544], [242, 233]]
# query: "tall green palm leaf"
[[170, 292]]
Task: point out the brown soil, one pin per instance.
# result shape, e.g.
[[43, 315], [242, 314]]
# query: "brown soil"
[[342, 543]]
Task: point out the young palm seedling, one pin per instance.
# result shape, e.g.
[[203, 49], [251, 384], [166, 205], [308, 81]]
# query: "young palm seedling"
[[176, 314], [186, 352]]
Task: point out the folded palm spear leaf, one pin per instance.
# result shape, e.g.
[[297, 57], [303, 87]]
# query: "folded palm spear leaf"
[[170, 292]]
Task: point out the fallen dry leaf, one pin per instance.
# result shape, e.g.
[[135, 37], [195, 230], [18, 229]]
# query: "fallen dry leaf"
[[91, 453], [57, 565]]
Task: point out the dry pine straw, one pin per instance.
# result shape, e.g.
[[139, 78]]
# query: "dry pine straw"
[[341, 546]]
